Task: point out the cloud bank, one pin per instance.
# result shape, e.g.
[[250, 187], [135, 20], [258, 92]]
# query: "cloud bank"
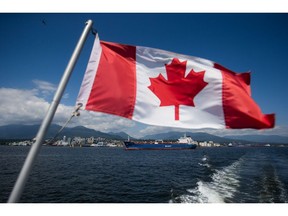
[[29, 106], [20, 106]]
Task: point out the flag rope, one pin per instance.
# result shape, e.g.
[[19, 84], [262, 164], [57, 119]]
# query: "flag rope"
[[75, 113]]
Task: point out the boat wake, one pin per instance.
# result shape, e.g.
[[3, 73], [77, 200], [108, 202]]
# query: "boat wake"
[[272, 189], [221, 189], [204, 162]]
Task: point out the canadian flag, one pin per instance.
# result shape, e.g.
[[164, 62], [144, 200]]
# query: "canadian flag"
[[162, 88]]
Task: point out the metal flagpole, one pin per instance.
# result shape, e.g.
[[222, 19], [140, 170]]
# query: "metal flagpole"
[[35, 148]]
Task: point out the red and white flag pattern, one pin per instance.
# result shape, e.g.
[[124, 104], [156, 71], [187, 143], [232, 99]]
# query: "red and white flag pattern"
[[162, 88]]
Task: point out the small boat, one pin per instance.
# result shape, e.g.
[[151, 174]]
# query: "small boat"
[[185, 142]]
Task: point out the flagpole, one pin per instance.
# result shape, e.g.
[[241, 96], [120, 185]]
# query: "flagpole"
[[35, 148]]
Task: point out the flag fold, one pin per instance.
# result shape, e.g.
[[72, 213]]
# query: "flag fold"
[[162, 88]]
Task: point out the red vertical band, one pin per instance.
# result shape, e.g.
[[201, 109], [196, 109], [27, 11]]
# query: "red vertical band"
[[240, 110], [114, 88]]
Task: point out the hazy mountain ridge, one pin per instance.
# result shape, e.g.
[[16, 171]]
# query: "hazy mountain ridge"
[[208, 137], [30, 131], [199, 136], [261, 138]]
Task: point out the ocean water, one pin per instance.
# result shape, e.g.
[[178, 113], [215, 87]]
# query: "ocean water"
[[113, 175]]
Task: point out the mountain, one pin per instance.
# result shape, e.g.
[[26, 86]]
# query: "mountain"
[[121, 134], [30, 131], [261, 138], [19, 131], [195, 136], [86, 132], [243, 139]]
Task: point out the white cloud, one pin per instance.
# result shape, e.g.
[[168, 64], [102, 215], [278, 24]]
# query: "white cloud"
[[21, 106], [157, 129], [27, 107], [102, 122], [46, 88], [65, 96]]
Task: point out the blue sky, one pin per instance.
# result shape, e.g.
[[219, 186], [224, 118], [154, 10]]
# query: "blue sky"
[[34, 54]]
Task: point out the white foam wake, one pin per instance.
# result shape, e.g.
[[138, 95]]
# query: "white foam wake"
[[223, 185], [273, 190]]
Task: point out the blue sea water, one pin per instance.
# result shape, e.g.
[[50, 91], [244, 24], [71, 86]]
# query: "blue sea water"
[[113, 175]]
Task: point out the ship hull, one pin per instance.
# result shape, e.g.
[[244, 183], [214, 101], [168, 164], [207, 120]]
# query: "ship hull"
[[160, 146]]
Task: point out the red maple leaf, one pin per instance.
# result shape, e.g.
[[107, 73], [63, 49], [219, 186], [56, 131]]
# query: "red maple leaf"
[[178, 89]]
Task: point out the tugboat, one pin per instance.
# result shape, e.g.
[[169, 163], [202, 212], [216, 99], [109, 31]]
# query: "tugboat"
[[185, 142]]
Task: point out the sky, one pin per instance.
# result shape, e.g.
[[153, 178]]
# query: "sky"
[[36, 47]]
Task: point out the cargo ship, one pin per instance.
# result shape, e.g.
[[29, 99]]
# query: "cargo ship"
[[185, 142]]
